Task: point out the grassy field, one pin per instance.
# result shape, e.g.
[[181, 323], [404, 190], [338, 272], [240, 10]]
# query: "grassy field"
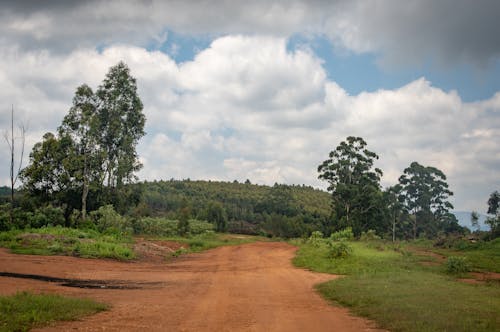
[[388, 284], [23, 311], [68, 241]]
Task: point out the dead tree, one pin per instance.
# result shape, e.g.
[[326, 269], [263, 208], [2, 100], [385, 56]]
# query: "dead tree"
[[11, 143]]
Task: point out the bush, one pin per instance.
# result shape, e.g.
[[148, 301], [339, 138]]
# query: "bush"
[[343, 235], [106, 219], [47, 216], [457, 265], [369, 235], [316, 238], [339, 249]]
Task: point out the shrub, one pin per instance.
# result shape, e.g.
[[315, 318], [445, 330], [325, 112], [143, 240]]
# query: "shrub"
[[316, 238], [339, 249], [108, 220], [457, 265], [47, 216], [369, 235], [343, 235]]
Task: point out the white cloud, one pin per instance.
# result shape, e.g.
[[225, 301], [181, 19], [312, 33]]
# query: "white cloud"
[[247, 108], [450, 31]]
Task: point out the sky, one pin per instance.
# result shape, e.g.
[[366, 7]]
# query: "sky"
[[264, 90]]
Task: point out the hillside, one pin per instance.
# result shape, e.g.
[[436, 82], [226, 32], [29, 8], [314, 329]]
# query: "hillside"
[[247, 206]]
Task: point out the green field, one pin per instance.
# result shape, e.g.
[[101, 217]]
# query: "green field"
[[388, 284]]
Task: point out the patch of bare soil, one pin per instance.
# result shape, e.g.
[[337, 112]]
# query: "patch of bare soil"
[[154, 251], [251, 287]]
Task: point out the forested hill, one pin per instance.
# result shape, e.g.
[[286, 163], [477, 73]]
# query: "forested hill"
[[248, 207]]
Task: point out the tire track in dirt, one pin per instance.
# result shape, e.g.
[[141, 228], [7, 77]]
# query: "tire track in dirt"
[[251, 287]]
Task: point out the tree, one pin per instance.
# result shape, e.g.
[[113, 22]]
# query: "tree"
[[353, 182], [494, 210], [96, 142], [12, 149], [425, 194], [474, 220], [394, 205], [121, 124], [217, 215], [80, 126], [184, 215]]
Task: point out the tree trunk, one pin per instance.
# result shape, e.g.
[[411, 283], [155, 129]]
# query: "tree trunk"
[[85, 188], [12, 166], [394, 228]]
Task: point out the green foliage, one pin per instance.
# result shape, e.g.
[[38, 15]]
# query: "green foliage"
[[425, 193], [47, 216], [23, 311], [316, 238], [167, 228], [281, 211], [106, 219], [339, 249], [369, 235], [183, 223], [457, 265], [217, 215], [94, 153], [67, 241], [355, 185], [342, 235]]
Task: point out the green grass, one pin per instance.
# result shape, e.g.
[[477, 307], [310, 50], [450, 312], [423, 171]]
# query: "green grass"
[[392, 288], [23, 311], [68, 241], [482, 256], [210, 240]]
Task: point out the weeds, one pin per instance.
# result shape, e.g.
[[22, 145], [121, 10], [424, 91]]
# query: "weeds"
[[23, 311]]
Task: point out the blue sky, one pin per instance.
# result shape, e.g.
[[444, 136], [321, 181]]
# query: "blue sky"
[[265, 89]]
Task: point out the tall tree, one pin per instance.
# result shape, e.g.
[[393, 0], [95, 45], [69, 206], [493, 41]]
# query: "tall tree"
[[121, 124], [394, 205], [494, 210], [96, 143], [425, 193], [80, 126], [353, 182]]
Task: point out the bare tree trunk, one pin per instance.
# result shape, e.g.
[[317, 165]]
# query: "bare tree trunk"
[[12, 166], [11, 143]]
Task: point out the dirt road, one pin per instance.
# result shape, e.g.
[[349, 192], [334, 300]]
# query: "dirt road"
[[251, 287]]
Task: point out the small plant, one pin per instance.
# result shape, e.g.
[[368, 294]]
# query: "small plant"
[[316, 238], [457, 265], [339, 249]]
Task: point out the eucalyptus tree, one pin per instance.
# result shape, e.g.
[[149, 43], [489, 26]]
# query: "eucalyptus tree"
[[354, 183], [494, 210], [121, 124], [425, 194], [95, 145], [81, 127]]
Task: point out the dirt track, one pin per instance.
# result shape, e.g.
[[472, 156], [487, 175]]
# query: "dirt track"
[[251, 287]]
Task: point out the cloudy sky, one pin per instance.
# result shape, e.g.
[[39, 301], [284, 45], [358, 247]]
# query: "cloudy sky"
[[265, 89]]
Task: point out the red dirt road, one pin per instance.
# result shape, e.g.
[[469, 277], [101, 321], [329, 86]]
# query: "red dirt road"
[[251, 287]]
